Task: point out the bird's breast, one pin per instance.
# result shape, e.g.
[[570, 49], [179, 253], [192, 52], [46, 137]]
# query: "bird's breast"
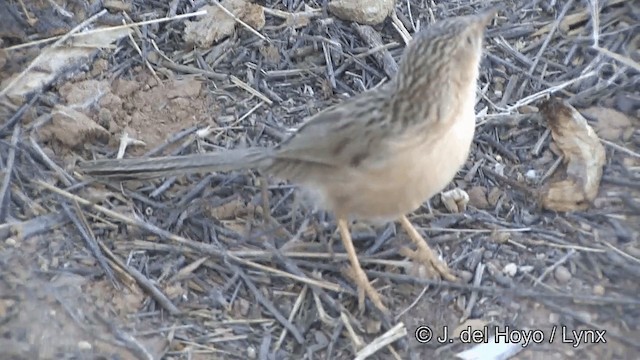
[[405, 179]]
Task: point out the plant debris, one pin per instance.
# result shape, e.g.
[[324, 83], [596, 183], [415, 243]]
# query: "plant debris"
[[236, 265], [583, 154]]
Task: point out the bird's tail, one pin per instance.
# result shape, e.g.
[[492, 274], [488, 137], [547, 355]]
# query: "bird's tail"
[[147, 168]]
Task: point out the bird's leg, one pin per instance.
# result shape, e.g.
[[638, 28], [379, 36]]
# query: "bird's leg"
[[424, 254], [359, 276]]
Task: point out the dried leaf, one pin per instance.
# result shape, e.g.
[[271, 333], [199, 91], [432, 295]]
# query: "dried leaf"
[[73, 128], [217, 24], [584, 157], [54, 61], [571, 20], [455, 200], [232, 209], [610, 124], [478, 197]]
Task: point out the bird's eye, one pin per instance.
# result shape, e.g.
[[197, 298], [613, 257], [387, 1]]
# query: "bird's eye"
[[469, 39]]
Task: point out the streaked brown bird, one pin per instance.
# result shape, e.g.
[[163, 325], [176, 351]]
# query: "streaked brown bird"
[[377, 156]]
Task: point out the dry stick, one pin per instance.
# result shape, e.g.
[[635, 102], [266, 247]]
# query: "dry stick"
[[514, 291], [399, 26], [595, 22], [114, 28], [197, 246], [413, 23], [18, 78], [397, 332], [581, 318], [337, 331], [236, 255], [296, 306], [121, 268], [89, 238], [322, 284], [254, 31], [308, 14], [501, 148], [204, 248], [625, 60], [294, 269], [374, 40], [264, 194], [137, 48], [355, 339], [561, 261], [329, 61], [155, 293], [129, 340], [246, 87], [512, 183], [628, 256], [170, 141], [126, 139], [322, 314], [561, 16], [620, 148], [543, 93], [266, 303], [187, 270], [537, 148], [33, 226], [63, 176], [4, 190], [477, 279], [412, 305], [26, 12], [18, 114], [159, 61], [552, 169]]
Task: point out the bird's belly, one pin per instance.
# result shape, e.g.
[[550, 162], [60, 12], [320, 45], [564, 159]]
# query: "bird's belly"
[[404, 182]]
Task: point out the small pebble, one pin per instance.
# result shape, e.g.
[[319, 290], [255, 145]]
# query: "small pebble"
[[501, 237], [478, 197], [251, 352], [531, 175], [11, 242], [371, 327], [526, 269], [562, 274], [598, 290], [528, 218], [466, 276], [84, 345], [528, 109], [510, 269], [365, 12], [494, 195], [584, 316]]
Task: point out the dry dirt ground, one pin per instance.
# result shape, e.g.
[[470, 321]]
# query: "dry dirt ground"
[[189, 270]]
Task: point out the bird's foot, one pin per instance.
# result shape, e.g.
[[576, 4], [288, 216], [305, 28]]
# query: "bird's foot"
[[430, 265], [365, 288]]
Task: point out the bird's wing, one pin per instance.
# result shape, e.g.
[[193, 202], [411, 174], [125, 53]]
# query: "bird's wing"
[[342, 135]]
